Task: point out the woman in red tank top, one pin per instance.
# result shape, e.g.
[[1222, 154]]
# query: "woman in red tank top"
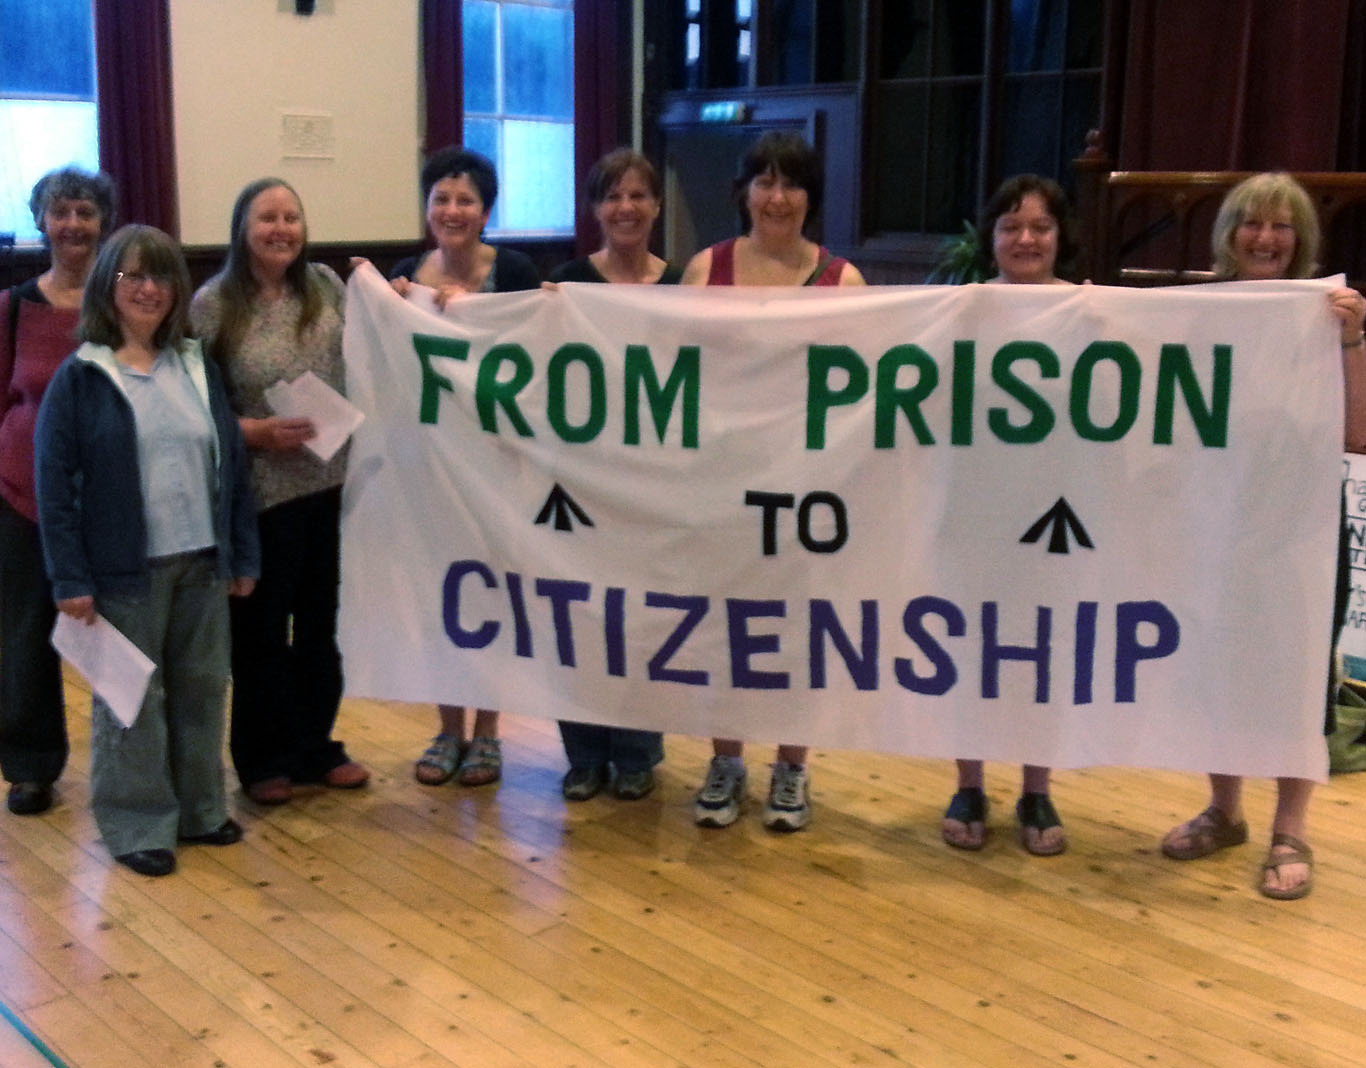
[[778, 188]]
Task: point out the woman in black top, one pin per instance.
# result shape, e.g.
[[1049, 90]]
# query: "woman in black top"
[[624, 192], [459, 188]]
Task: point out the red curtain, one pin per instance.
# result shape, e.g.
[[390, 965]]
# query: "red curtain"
[[137, 131], [443, 73], [1237, 85], [601, 81]]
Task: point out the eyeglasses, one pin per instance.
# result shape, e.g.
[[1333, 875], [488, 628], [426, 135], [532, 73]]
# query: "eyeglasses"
[[136, 279]]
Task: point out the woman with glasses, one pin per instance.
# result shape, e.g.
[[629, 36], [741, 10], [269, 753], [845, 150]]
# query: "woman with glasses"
[[74, 212], [147, 519]]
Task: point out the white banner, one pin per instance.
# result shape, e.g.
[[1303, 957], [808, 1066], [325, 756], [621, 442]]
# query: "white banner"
[[1064, 525]]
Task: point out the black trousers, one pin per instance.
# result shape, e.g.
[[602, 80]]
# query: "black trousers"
[[33, 746], [286, 666]]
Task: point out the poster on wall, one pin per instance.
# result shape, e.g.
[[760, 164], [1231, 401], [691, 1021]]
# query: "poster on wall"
[[1352, 644]]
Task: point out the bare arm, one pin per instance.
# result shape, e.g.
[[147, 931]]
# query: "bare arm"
[[851, 276], [1350, 309], [698, 269]]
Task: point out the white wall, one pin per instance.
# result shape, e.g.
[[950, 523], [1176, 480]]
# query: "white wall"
[[237, 65]]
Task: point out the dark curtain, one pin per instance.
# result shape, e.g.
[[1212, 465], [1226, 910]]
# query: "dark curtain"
[[1237, 85], [601, 80], [1352, 148], [442, 70], [137, 133]]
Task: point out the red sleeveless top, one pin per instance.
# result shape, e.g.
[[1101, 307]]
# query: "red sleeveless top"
[[722, 273]]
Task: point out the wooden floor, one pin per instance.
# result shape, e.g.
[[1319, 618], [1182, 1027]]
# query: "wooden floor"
[[408, 925]]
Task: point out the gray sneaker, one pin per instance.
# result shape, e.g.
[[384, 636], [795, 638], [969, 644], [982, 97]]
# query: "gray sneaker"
[[717, 804], [789, 798]]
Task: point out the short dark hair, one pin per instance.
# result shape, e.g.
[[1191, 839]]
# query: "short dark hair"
[[786, 153], [1009, 197], [454, 161], [155, 253], [72, 183], [612, 168]]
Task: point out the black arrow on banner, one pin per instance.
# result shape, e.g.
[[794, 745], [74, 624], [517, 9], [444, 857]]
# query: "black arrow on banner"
[[1062, 519], [562, 509]]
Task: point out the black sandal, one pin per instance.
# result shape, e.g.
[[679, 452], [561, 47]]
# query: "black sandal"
[[1036, 811], [967, 806]]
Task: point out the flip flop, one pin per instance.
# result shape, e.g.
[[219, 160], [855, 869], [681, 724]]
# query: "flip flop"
[[1036, 812], [1207, 833], [967, 806], [1300, 854]]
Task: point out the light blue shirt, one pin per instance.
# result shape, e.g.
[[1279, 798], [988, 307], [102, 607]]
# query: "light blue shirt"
[[175, 457]]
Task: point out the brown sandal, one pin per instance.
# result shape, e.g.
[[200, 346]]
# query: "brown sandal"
[[1207, 833], [1299, 853]]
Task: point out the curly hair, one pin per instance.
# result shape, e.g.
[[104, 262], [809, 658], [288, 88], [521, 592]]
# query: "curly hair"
[[453, 161], [72, 183]]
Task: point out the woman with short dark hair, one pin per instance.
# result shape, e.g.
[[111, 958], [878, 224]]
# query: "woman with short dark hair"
[[624, 193], [778, 189], [458, 189]]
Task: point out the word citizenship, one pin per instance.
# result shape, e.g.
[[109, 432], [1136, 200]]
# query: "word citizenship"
[[933, 635]]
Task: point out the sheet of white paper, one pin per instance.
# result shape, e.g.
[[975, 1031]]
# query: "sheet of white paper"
[[116, 669], [309, 397]]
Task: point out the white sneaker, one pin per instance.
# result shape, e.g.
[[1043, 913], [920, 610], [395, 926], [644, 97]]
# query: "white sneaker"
[[717, 804], [789, 798]]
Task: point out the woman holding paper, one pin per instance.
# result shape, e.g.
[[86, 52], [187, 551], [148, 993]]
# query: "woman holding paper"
[[1028, 227], [458, 191], [1267, 229], [268, 317], [74, 211], [147, 519], [777, 191], [624, 192]]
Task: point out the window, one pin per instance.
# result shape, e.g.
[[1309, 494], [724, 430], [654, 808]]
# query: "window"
[[47, 100], [519, 109], [943, 96]]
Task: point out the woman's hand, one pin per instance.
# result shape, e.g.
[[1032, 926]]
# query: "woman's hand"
[[276, 433], [78, 608], [401, 286], [449, 292], [241, 586], [1350, 308]]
